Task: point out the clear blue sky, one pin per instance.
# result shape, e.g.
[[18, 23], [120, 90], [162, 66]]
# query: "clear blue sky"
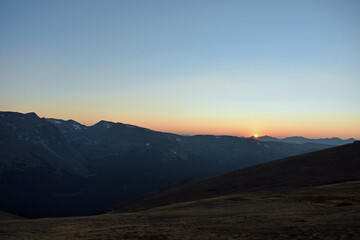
[[268, 67]]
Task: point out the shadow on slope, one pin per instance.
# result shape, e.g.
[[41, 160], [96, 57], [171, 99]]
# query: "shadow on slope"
[[328, 166]]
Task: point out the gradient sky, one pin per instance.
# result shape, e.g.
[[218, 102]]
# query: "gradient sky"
[[280, 68]]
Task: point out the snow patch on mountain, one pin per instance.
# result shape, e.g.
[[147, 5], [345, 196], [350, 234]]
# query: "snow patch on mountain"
[[76, 126], [107, 125]]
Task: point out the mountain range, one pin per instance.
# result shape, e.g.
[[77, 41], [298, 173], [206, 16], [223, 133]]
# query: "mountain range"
[[53, 167], [299, 140]]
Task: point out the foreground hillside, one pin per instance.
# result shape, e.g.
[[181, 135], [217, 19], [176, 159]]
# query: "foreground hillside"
[[327, 166], [322, 212], [9, 216]]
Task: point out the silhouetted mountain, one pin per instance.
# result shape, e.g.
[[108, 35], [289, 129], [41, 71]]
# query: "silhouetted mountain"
[[338, 164], [331, 141], [300, 140], [52, 167], [268, 138]]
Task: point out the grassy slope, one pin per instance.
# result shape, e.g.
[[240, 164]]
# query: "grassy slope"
[[332, 165], [313, 212], [9, 216]]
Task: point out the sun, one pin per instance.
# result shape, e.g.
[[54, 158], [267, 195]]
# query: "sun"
[[256, 136]]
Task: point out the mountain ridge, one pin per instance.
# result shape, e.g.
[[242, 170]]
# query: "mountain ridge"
[[291, 139], [299, 140], [73, 169]]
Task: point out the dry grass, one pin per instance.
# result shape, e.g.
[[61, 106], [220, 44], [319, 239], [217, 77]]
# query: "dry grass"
[[327, 199], [254, 216]]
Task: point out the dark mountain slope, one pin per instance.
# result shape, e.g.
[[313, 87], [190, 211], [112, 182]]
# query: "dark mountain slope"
[[114, 143], [332, 165], [115, 148], [29, 141]]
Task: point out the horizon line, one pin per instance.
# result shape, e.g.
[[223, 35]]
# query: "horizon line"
[[182, 133]]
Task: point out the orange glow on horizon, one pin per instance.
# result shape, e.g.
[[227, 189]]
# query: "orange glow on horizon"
[[227, 127], [280, 126], [216, 127]]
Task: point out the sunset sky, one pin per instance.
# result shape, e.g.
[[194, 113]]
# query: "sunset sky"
[[279, 68]]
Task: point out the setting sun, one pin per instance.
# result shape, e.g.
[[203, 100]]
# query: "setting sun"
[[256, 136]]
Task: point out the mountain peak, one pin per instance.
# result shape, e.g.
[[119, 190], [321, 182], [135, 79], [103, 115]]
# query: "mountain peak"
[[104, 123], [32, 114], [268, 138], [66, 124]]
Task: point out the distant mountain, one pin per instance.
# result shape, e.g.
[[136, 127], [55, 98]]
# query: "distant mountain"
[[300, 140], [338, 164], [52, 167], [268, 138]]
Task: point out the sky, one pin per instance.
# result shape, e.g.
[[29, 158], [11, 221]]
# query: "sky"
[[244, 67]]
